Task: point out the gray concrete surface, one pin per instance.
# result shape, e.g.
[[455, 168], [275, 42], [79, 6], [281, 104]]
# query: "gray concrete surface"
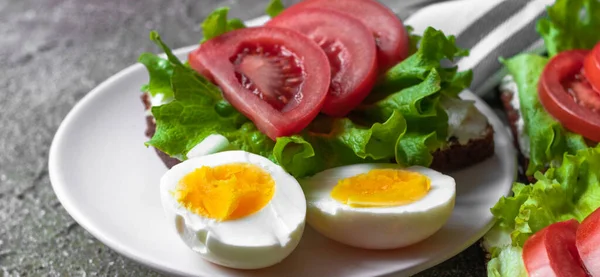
[[53, 52]]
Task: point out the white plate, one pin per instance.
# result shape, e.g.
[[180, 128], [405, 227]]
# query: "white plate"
[[108, 181]]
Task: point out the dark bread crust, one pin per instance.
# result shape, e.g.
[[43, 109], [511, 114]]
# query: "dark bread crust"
[[456, 156], [453, 157]]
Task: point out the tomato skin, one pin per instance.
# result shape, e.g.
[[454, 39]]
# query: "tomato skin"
[[559, 103], [215, 59], [588, 243], [198, 66], [552, 252], [351, 53], [388, 30], [591, 68]]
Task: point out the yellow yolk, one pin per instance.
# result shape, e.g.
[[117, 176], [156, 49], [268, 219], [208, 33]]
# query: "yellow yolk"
[[381, 188], [226, 192]]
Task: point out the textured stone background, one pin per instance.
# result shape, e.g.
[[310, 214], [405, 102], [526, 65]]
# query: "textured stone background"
[[52, 52]]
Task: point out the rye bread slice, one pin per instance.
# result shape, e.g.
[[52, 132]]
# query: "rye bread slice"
[[506, 96], [456, 156], [452, 157]]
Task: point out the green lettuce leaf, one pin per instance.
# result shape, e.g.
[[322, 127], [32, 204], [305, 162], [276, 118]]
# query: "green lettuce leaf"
[[568, 191], [548, 138], [571, 24], [217, 24], [345, 143], [508, 263], [198, 111], [155, 37], [159, 71], [234, 24], [433, 47], [413, 40], [427, 122], [414, 87], [274, 8], [416, 148]]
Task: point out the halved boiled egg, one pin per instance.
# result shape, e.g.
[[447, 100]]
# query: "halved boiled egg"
[[235, 208], [379, 206]]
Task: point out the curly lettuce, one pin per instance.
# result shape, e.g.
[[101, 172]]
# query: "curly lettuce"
[[413, 88], [406, 124], [571, 24], [507, 263], [345, 143], [568, 191]]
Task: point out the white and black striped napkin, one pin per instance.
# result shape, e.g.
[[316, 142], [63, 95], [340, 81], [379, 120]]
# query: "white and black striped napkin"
[[489, 29]]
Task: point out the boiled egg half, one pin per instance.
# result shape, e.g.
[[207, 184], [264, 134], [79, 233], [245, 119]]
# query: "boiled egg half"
[[234, 208], [379, 206]]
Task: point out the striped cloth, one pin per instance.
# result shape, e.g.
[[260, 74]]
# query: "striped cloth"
[[490, 29]]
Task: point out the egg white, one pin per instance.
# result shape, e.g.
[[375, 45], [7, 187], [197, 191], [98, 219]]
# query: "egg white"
[[255, 241], [377, 227]]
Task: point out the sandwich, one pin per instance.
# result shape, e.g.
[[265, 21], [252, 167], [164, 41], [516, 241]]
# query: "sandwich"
[[552, 101], [399, 104], [550, 226]]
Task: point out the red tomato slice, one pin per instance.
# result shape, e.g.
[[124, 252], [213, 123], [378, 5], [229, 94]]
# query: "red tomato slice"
[[350, 49], [390, 34], [588, 243], [568, 97], [591, 68], [552, 252], [276, 77]]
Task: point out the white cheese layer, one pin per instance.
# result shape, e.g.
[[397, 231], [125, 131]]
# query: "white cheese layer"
[[465, 121], [509, 84]]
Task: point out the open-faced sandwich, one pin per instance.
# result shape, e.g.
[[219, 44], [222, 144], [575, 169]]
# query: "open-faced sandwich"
[[332, 111], [553, 101], [537, 232], [352, 111]]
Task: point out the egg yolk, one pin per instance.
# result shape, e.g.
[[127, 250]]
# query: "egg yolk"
[[381, 188], [226, 192]]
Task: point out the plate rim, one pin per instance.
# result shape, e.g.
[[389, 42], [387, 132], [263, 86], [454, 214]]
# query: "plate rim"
[[139, 257], [56, 176]]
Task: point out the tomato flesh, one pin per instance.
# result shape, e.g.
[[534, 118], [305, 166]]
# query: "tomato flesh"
[[276, 77], [349, 48], [269, 72], [568, 97], [552, 252], [588, 243], [583, 93], [391, 37], [591, 68]]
